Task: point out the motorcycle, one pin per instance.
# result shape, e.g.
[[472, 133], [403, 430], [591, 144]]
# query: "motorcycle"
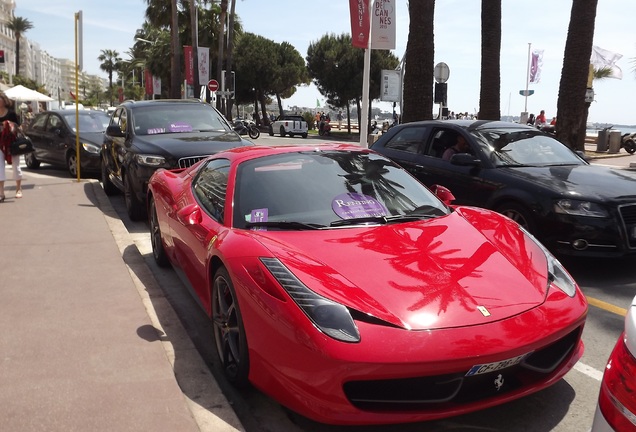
[[628, 142], [324, 128], [244, 127]]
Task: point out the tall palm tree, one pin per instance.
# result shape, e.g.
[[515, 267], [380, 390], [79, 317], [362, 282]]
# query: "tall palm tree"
[[490, 89], [571, 106], [19, 26], [219, 64], [195, 45], [419, 57], [110, 63], [175, 48]]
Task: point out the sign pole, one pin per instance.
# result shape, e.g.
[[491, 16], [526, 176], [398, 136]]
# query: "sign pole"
[[364, 116], [525, 109]]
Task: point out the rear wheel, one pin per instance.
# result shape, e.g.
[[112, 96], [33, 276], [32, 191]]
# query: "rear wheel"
[[517, 213], [254, 132], [134, 207], [109, 188], [271, 130], [31, 161], [158, 251], [282, 131], [630, 146], [229, 332]]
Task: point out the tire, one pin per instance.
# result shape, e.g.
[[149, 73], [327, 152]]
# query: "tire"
[[519, 214], [630, 146], [229, 332], [31, 161], [282, 132], [254, 132], [109, 188], [71, 164], [271, 130], [304, 135], [158, 251], [134, 207]]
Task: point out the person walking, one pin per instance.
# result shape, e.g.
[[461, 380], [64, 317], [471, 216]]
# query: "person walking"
[[7, 114]]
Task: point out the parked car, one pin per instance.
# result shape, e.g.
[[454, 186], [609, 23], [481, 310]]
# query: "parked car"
[[289, 124], [616, 409], [53, 134], [573, 207], [146, 135], [463, 309]]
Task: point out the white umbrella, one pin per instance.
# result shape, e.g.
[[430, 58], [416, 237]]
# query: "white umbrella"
[[21, 93]]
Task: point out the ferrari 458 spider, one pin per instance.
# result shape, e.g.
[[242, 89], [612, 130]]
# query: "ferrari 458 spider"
[[351, 294]]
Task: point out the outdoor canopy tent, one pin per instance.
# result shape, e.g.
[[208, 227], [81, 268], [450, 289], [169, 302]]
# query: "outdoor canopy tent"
[[21, 93]]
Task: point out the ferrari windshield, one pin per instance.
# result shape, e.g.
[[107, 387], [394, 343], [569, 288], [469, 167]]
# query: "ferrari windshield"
[[524, 147], [318, 189]]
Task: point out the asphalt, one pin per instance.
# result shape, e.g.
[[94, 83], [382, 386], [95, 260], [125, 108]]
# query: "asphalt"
[[88, 340]]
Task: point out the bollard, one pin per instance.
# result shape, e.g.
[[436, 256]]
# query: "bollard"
[[614, 141]]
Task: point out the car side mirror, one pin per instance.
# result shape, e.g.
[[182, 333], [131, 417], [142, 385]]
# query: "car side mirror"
[[190, 215], [443, 193], [115, 131], [465, 159]]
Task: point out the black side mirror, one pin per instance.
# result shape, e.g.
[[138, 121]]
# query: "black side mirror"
[[115, 131]]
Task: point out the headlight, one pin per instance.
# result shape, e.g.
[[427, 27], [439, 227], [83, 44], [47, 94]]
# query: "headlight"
[[579, 208], [557, 274], [150, 160], [330, 317], [91, 148]]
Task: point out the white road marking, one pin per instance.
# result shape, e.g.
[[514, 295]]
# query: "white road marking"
[[589, 371]]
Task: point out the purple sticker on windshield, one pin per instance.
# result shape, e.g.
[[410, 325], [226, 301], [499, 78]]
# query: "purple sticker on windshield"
[[355, 205], [180, 127], [259, 215]]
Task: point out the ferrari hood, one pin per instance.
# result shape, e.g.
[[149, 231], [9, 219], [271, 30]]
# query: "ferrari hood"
[[460, 270]]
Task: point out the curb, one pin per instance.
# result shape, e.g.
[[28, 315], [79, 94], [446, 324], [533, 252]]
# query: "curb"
[[209, 407]]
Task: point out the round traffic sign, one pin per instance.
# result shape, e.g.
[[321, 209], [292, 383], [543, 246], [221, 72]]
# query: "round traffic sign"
[[213, 85], [441, 72]]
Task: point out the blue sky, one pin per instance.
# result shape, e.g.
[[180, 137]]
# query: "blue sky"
[[112, 25]]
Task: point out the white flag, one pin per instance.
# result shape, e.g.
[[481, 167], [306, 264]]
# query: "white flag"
[[535, 66], [602, 58]]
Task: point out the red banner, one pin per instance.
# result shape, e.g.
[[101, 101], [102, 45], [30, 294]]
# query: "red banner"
[[189, 64], [148, 80], [360, 24]]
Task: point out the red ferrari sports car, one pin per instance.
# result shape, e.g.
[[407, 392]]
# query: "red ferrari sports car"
[[351, 294]]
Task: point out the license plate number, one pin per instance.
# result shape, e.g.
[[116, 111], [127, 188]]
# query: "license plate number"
[[493, 367]]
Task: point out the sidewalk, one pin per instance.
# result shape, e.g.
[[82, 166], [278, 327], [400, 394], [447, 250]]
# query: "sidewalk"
[[88, 341]]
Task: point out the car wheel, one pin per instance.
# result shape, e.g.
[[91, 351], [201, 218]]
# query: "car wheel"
[[271, 131], [158, 251], [229, 332], [304, 135], [517, 213], [282, 131], [134, 207], [630, 146], [31, 161], [109, 188], [71, 164]]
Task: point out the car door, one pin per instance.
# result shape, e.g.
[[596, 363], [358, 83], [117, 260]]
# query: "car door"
[[114, 148], [37, 132], [197, 222], [466, 180], [57, 133]]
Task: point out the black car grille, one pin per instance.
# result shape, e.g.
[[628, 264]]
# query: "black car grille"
[[189, 161], [446, 391], [628, 214]]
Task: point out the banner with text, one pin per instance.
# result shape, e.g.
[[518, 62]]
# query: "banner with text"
[[189, 64], [359, 23], [383, 25]]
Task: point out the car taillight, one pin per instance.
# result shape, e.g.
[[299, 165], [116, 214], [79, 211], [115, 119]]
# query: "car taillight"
[[617, 399]]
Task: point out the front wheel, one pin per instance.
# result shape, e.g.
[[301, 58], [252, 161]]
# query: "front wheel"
[[134, 207], [229, 332], [31, 161], [109, 188], [71, 164], [282, 132], [519, 214], [254, 132], [158, 251], [271, 130], [630, 146]]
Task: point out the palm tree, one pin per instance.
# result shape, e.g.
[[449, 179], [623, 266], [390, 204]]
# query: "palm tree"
[[175, 48], [19, 26], [219, 65], [490, 89], [419, 57], [571, 106], [110, 63]]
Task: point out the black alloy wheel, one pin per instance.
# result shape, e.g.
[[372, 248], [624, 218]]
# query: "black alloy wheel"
[[109, 188], [229, 332], [134, 207]]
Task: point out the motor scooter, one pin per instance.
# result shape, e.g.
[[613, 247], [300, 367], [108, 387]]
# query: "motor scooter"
[[244, 127], [628, 142], [324, 128]]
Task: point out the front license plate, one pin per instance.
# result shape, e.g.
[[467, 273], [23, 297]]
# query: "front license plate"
[[492, 367]]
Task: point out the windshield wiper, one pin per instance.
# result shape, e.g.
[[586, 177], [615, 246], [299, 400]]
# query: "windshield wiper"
[[285, 224], [380, 219]]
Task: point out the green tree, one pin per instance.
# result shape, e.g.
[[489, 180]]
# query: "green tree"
[[110, 63], [19, 26], [419, 57], [490, 88], [571, 106], [291, 72]]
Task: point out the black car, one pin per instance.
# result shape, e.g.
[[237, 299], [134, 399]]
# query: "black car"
[[53, 134], [144, 136], [573, 207]]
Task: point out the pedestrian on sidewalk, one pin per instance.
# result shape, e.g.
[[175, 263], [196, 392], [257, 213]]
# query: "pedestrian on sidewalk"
[[6, 137]]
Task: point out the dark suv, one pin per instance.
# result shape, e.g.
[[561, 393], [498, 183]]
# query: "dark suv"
[[144, 136]]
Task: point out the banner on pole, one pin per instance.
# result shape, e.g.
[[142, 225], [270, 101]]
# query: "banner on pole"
[[535, 66], [359, 23], [390, 86], [189, 64], [204, 64], [383, 25], [602, 58]]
